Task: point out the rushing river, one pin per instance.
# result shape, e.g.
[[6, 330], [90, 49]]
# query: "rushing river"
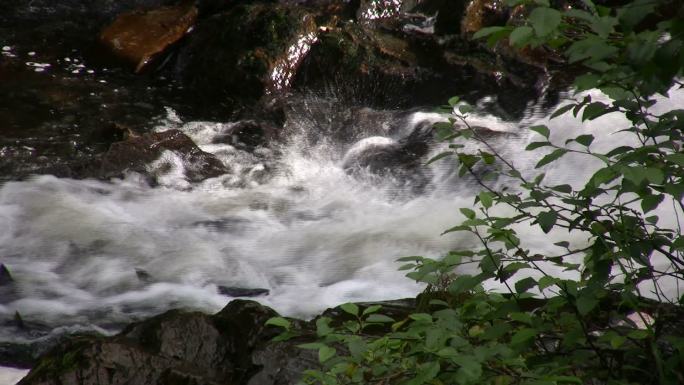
[[90, 255]]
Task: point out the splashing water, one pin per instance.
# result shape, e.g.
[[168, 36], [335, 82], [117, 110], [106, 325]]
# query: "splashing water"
[[287, 218]]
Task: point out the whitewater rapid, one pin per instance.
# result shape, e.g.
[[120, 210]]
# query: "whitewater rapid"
[[94, 255]]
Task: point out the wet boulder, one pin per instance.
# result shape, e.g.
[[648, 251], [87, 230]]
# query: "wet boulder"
[[137, 37], [365, 65], [234, 58], [138, 152], [247, 134], [396, 161], [391, 68]]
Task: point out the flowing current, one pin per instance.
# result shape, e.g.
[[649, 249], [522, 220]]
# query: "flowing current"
[[290, 218]]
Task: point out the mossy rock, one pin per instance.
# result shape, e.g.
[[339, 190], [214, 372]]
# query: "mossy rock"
[[66, 358]]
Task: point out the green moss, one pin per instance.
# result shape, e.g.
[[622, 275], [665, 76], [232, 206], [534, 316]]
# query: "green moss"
[[63, 360]]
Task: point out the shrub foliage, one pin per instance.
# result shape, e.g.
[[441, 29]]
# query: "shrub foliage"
[[612, 316]]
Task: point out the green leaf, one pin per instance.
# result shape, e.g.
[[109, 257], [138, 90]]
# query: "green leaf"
[[546, 220], [541, 130], [465, 108], [470, 369], [586, 304], [585, 140], [655, 175], [350, 308], [453, 101], [496, 331], [521, 317], [587, 82], [371, 309], [452, 259], [636, 175], [525, 284], [357, 346], [650, 202], [634, 12], [516, 266], [563, 110], [381, 318], [439, 156], [425, 373], [677, 159], [487, 157], [468, 213], [639, 334], [521, 36], [545, 21], [616, 93], [536, 145], [490, 263], [323, 327], [486, 199], [456, 228], [484, 32], [617, 340], [604, 26], [580, 14], [421, 317], [279, 321], [325, 353], [523, 335], [594, 110], [551, 157], [462, 284], [563, 188], [602, 176], [547, 281]]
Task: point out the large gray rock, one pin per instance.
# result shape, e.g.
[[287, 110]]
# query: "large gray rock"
[[173, 348]]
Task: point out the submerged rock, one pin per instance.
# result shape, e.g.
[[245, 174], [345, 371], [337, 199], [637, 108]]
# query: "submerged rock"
[[401, 160], [8, 291], [137, 37], [5, 276], [137, 152], [143, 276], [233, 291]]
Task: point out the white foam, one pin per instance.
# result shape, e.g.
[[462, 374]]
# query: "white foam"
[[11, 376], [287, 219]]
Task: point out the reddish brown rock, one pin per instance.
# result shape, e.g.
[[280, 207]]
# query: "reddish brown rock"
[[483, 13], [137, 37]]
